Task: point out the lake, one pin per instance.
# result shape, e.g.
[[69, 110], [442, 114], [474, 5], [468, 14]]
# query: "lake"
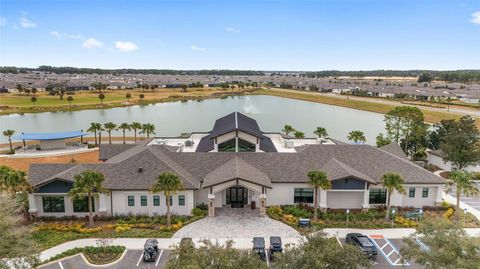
[[171, 119]]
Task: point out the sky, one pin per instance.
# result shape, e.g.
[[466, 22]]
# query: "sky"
[[296, 35]]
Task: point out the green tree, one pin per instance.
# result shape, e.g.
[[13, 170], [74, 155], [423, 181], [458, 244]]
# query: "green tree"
[[318, 180], [444, 245], [382, 140], [320, 132], [19, 88], [28, 91], [13, 181], [124, 126], [392, 182], [287, 129], [425, 77], [109, 127], [136, 126], [184, 88], [142, 96], [462, 183], [34, 90], [33, 99], [169, 184], [356, 136], [70, 100], [95, 127], [148, 129], [87, 184], [299, 134], [9, 133], [128, 96], [321, 252], [101, 97]]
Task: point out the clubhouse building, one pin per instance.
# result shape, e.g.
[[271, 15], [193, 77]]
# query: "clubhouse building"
[[234, 165]]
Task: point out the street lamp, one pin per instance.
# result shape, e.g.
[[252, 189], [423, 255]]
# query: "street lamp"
[[348, 212], [393, 215]]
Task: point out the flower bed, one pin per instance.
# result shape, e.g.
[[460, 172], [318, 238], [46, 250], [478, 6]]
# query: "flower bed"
[[94, 255]]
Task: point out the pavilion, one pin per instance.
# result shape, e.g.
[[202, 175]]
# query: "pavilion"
[[50, 140]]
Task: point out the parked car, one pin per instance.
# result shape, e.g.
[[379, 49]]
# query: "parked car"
[[259, 247], [275, 245], [363, 242], [150, 250]]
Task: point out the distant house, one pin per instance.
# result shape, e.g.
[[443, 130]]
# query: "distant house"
[[435, 157], [3, 90]]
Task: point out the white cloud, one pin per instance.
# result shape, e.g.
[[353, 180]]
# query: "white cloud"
[[92, 43], [126, 46], [26, 23], [197, 48], [3, 21], [476, 18], [232, 30], [57, 34], [78, 36]]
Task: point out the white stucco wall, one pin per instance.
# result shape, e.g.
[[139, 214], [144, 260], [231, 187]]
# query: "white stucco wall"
[[283, 193], [68, 206], [438, 161], [434, 196], [345, 199], [52, 144]]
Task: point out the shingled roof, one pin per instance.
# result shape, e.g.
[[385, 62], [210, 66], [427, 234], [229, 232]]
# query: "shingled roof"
[[394, 149], [338, 170]]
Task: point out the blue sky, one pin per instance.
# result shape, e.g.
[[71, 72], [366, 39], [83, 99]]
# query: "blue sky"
[[234, 34]]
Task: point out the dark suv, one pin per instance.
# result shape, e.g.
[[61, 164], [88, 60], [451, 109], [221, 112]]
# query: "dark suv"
[[150, 250], [363, 242]]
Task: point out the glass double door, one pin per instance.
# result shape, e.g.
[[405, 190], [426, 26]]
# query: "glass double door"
[[237, 196]]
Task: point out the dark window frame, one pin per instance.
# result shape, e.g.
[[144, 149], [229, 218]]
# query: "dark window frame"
[[171, 200], [303, 195], [156, 200], [425, 192], [181, 200], [143, 200], [377, 196], [81, 205], [49, 204], [132, 200], [411, 192]]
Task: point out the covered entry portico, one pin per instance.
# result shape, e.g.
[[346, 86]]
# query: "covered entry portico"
[[236, 184]]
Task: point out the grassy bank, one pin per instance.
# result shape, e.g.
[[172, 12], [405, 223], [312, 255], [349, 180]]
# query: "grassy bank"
[[430, 116]]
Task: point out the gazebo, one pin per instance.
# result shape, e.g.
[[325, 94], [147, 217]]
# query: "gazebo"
[[50, 140]]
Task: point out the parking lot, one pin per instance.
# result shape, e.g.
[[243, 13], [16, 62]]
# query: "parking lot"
[[131, 260], [388, 253]]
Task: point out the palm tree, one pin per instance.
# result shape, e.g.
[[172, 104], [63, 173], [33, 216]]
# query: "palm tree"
[[34, 100], [128, 96], [109, 127], [299, 134], [392, 182], [169, 184], [136, 126], [287, 129], [124, 126], [318, 180], [87, 184], [148, 129], [101, 97], [464, 184], [320, 132], [356, 136], [95, 127], [9, 133], [13, 181], [70, 99]]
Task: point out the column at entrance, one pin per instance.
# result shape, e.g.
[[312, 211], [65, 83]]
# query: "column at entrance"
[[211, 205], [263, 204]]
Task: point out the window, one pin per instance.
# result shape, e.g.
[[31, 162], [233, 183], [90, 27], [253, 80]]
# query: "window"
[[143, 200], [171, 200], [131, 200], [181, 200], [378, 196], [411, 192], [81, 205], [156, 200], [53, 204], [227, 146], [303, 195], [424, 192]]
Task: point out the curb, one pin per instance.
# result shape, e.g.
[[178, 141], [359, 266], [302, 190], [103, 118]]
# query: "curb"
[[85, 260]]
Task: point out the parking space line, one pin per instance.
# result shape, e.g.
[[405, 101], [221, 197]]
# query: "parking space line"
[[60, 264], [386, 244], [381, 238], [338, 240], [159, 257], [390, 252], [138, 263], [266, 257]]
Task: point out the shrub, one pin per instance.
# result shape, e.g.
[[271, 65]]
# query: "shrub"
[[297, 212], [202, 206], [449, 213], [405, 222], [275, 212], [290, 219], [199, 212]]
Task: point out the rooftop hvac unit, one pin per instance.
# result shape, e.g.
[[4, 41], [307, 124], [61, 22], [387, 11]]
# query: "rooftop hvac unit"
[[162, 141], [189, 143], [288, 144]]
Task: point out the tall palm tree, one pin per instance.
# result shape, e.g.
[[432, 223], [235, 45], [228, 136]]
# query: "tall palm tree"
[[287, 129], [124, 126], [95, 127], [392, 182], [463, 183], [318, 180], [109, 127], [101, 97], [87, 184], [320, 132], [136, 126], [148, 129], [357, 136], [8, 133], [169, 184]]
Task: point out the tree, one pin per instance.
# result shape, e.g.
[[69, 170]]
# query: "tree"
[[128, 96], [425, 77], [70, 99], [299, 134], [169, 184], [136, 126], [19, 88], [287, 129], [318, 180], [109, 127], [141, 97], [13, 181], [356, 136], [101, 97], [148, 129], [87, 184], [124, 126], [321, 252], [320, 132], [444, 245], [28, 91], [33, 99], [184, 87], [34, 91], [95, 127], [463, 184], [8, 133], [382, 140], [392, 182], [459, 142]]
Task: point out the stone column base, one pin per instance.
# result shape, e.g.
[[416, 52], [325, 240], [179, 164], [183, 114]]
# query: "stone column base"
[[262, 198], [211, 205]]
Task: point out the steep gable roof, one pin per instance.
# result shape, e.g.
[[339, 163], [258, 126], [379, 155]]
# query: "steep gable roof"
[[338, 170], [394, 149]]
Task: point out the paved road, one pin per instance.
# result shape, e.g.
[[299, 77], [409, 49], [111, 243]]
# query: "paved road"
[[472, 201]]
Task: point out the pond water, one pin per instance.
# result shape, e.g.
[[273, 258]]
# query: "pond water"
[[171, 119]]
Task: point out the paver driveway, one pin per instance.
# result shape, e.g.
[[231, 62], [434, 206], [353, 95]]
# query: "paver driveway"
[[236, 223]]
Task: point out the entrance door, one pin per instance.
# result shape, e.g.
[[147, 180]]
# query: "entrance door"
[[237, 196]]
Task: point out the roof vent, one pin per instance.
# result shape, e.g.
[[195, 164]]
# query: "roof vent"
[[140, 169]]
